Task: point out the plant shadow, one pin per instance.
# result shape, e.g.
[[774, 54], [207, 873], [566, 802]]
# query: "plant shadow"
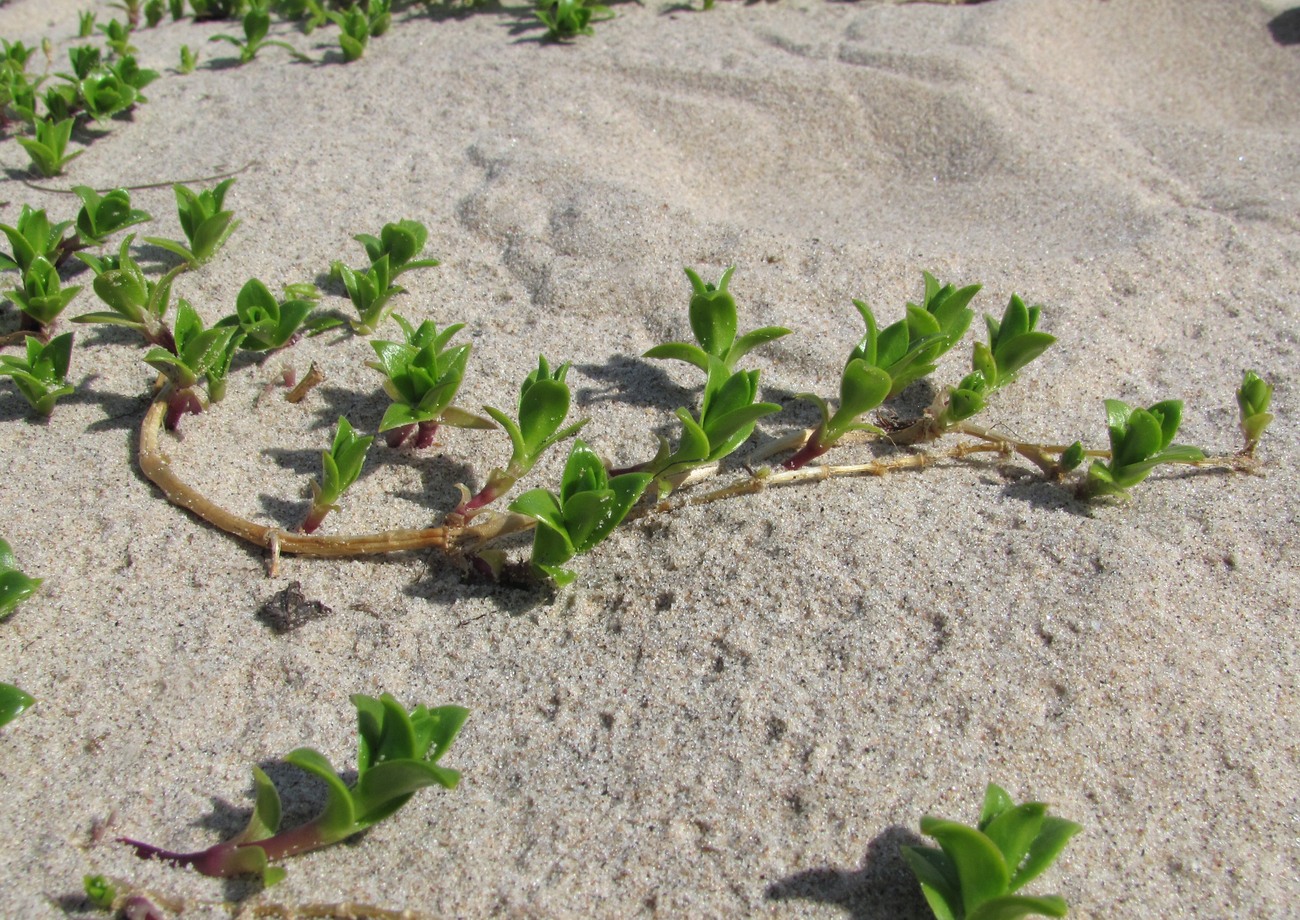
[[882, 888]]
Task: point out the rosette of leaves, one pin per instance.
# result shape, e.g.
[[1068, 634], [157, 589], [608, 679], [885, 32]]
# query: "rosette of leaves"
[[134, 301], [714, 322], [975, 871], [42, 374], [48, 150], [728, 413], [422, 376], [1253, 399], [543, 406], [1014, 341], [257, 23], [591, 503], [401, 242], [397, 755], [1140, 440], [103, 215], [205, 224], [265, 322], [31, 238], [340, 467], [862, 388], [567, 19], [42, 297], [197, 351], [370, 292]]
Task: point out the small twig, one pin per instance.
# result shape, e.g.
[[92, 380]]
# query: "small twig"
[[135, 188], [314, 377]]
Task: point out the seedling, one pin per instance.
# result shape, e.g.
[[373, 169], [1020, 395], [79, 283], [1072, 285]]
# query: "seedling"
[[974, 872], [42, 297], [397, 755], [714, 322], [13, 702], [103, 215], [153, 12], [117, 35], [15, 587], [370, 292], [590, 505], [422, 376], [402, 243], [41, 376], [728, 413], [862, 388], [197, 352], [34, 237], [340, 467], [135, 301], [205, 224], [1140, 440], [189, 59], [1253, 399], [543, 406], [86, 24], [49, 150], [266, 323], [257, 22], [567, 19], [354, 31]]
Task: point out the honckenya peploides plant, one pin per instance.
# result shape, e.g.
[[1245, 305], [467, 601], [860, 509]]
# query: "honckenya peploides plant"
[[397, 755], [424, 372], [975, 872]]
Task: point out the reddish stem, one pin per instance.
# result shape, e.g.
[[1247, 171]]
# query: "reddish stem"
[[425, 432], [179, 404], [806, 454]]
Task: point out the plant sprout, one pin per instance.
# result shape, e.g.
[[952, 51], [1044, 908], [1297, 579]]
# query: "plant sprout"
[[103, 215], [1253, 399], [340, 467], [422, 376], [591, 503], [205, 224], [714, 322], [13, 702], [354, 31], [975, 871], [134, 300], [393, 252], [1140, 440], [567, 19], [402, 242], [197, 351], [189, 59], [543, 406], [257, 22], [33, 237], [863, 387], [42, 375], [266, 323], [397, 755], [42, 297], [49, 150]]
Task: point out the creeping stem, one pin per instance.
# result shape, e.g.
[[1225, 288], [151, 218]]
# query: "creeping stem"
[[158, 468]]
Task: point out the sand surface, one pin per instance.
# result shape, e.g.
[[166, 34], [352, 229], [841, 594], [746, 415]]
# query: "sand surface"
[[741, 709]]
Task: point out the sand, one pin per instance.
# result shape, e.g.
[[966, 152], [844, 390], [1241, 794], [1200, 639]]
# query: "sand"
[[740, 709]]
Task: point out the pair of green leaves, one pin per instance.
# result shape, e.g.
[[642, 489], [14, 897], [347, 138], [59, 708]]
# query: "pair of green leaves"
[[543, 406], [714, 322], [567, 19], [264, 322], [340, 467], [422, 376], [204, 221], [1014, 341], [49, 149], [257, 23], [591, 503], [1140, 440], [41, 375], [975, 871]]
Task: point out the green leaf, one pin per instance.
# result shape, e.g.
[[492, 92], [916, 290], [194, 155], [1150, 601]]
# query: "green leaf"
[[1015, 829], [1170, 415], [389, 786], [15, 587], [583, 472], [996, 801], [1014, 906], [982, 872], [938, 878], [12, 703], [338, 820], [265, 819], [1052, 837], [680, 351]]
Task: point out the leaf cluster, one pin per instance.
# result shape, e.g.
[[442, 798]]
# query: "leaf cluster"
[[133, 300], [422, 375], [340, 466], [975, 871], [1253, 399], [257, 23], [264, 322], [567, 19], [714, 322], [15, 587], [1140, 440], [41, 375], [205, 223], [393, 252], [590, 504]]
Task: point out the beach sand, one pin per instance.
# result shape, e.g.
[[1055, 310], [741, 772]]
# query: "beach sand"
[[740, 709]]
